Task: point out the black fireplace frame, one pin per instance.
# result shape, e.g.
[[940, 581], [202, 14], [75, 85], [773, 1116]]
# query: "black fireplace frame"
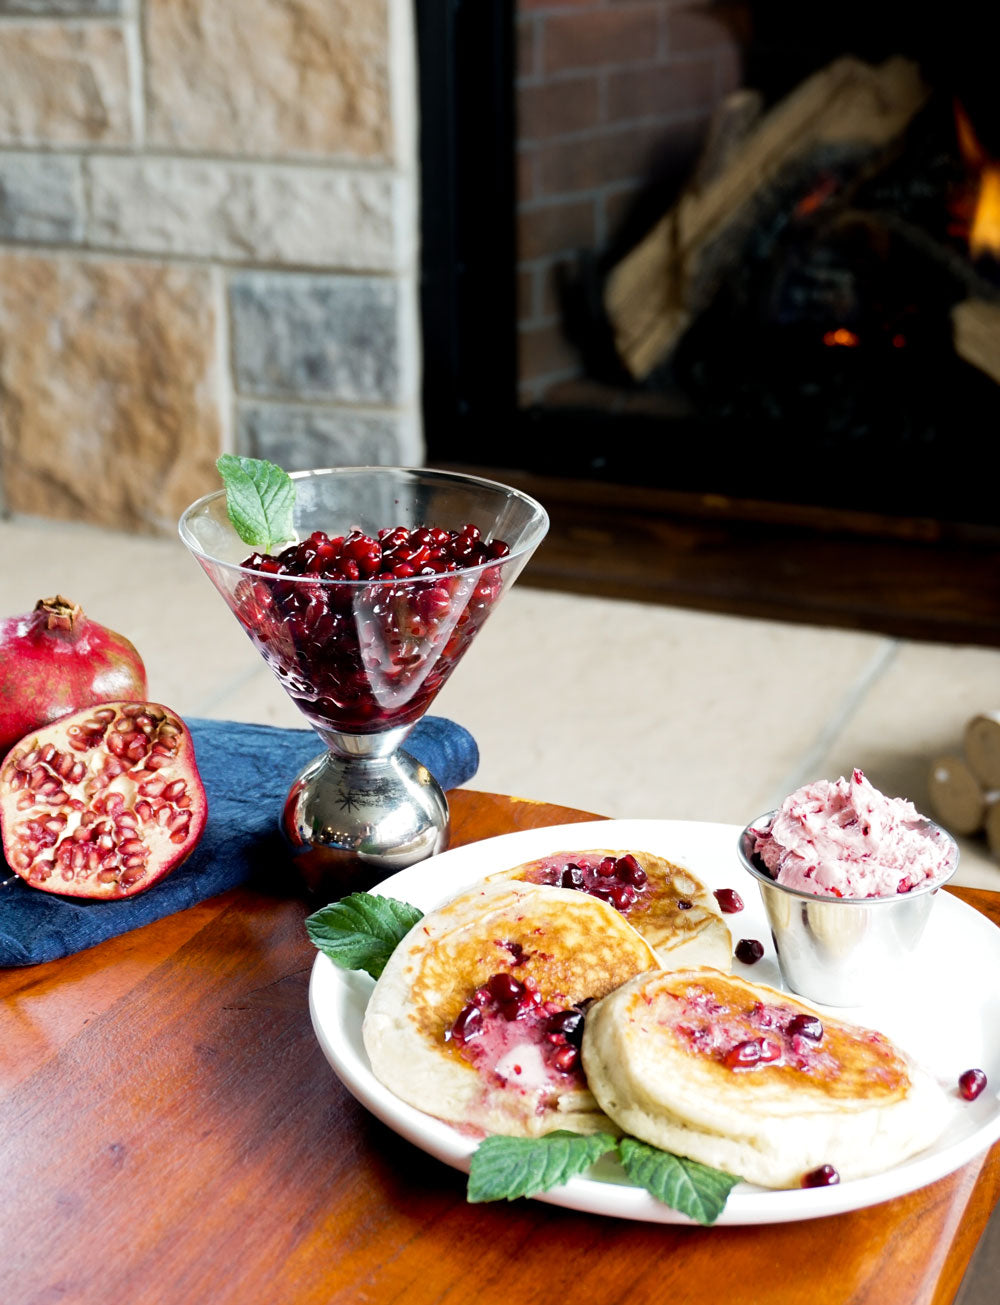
[[468, 305], [466, 61]]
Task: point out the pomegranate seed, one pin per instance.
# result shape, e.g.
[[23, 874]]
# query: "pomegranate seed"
[[683, 904], [971, 1083], [572, 877], [628, 869], [568, 1024], [806, 1026], [608, 868], [505, 988], [469, 1023], [566, 1059], [824, 1176], [755, 1051], [729, 900], [623, 896], [749, 951]]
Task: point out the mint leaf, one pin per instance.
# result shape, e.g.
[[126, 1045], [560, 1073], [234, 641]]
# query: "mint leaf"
[[508, 1167], [259, 499], [685, 1185], [361, 931]]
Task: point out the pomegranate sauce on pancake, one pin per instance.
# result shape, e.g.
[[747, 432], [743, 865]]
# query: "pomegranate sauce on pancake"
[[672, 909], [747, 1079], [477, 1017]]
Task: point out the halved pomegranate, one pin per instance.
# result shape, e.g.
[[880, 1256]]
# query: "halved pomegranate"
[[102, 803]]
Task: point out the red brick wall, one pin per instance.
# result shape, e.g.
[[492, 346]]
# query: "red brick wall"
[[603, 87]]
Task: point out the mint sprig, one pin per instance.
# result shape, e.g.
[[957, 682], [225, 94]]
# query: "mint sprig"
[[509, 1167], [504, 1168], [360, 932], [260, 498], [685, 1185]]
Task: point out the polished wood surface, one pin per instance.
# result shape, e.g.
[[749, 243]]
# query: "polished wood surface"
[[172, 1133]]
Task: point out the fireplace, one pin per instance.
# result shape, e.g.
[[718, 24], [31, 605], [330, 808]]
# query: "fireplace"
[[734, 249]]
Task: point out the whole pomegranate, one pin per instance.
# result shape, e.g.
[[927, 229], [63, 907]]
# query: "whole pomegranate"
[[55, 660], [102, 803]]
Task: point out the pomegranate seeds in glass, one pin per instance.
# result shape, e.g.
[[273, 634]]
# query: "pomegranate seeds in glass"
[[365, 644], [362, 617]]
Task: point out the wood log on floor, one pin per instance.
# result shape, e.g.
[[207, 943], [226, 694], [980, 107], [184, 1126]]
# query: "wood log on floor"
[[956, 797], [848, 110], [982, 748]]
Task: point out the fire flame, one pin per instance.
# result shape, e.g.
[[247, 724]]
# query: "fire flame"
[[984, 226], [841, 336]]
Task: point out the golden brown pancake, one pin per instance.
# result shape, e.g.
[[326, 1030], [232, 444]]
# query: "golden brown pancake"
[[672, 909], [724, 1071], [440, 1035]]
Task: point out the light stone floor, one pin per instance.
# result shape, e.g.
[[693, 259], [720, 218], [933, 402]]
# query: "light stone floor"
[[620, 708]]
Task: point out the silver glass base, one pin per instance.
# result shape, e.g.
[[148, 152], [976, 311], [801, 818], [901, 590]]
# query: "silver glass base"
[[352, 820]]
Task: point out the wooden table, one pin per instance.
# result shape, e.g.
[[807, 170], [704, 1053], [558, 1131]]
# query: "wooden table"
[[171, 1133]]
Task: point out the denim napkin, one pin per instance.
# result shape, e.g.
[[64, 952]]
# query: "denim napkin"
[[247, 771]]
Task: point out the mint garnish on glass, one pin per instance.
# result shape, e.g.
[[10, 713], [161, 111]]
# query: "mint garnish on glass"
[[259, 499], [360, 932]]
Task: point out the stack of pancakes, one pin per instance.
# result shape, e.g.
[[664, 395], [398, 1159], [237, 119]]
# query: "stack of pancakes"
[[663, 1053]]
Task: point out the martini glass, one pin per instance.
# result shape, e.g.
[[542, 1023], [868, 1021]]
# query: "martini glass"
[[364, 659]]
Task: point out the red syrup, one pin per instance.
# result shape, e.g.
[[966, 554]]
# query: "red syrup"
[[517, 1039]]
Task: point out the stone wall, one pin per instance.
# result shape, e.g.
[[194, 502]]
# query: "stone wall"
[[207, 242]]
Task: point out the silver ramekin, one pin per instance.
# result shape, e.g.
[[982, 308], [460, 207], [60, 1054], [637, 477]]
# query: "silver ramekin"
[[842, 951]]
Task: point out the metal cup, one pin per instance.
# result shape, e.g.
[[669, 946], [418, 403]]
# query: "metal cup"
[[842, 951]]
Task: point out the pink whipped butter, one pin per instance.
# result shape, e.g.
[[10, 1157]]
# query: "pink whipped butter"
[[846, 839]]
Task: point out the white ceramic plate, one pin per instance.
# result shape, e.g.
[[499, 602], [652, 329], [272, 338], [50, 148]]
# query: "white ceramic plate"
[[946, 1016]]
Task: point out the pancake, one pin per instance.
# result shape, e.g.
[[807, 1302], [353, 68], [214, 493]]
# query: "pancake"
[[447, 1030], [663, 1057], [673, 910]]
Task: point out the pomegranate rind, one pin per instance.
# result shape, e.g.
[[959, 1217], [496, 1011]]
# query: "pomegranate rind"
[[56, 660], [102, 803]]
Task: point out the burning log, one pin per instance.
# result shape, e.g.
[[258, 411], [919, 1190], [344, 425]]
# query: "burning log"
[[850, 110], [731, 124]]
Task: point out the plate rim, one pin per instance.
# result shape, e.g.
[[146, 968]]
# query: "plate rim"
[[748, 1204]]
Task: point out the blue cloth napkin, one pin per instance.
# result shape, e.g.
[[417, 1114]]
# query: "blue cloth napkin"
[[247, 771]]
